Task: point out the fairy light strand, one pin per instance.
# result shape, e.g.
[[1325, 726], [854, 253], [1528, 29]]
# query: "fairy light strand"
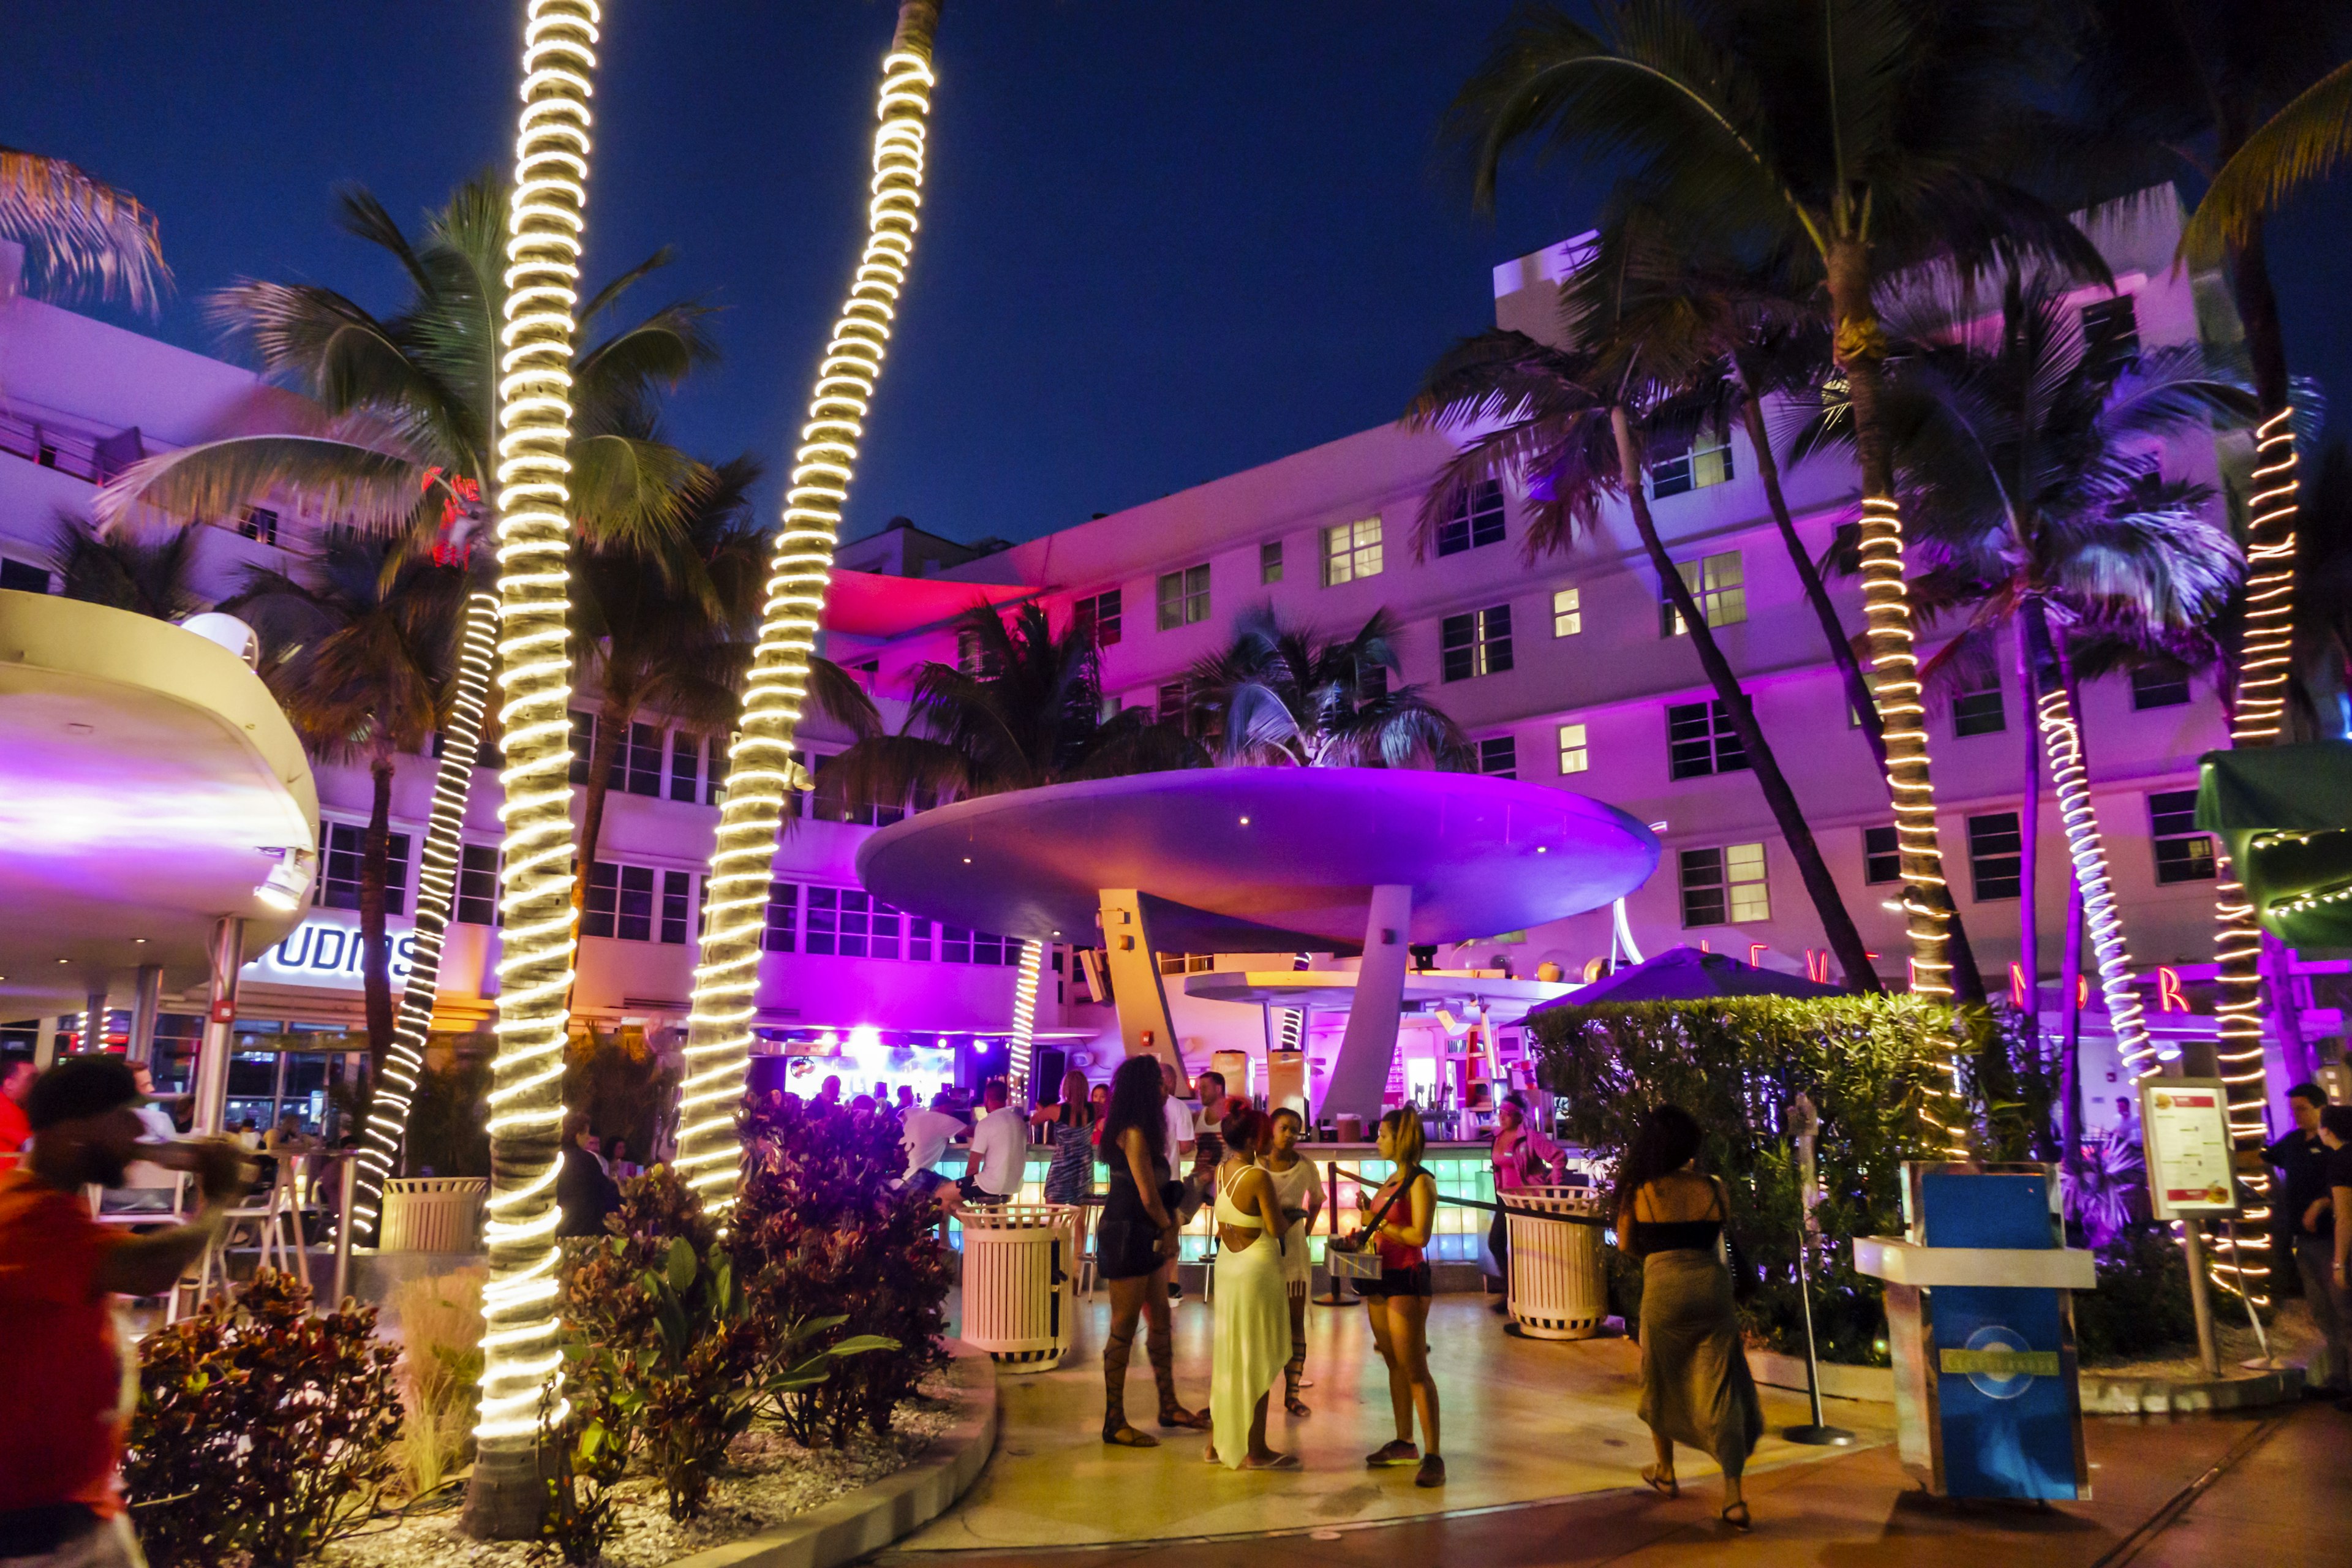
[[545, 225], [761, 769], [437, 887], [2062, 739]]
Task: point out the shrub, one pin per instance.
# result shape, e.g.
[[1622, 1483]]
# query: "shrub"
[[621, 1083], [822, 1230], [260, 1430], [440, 1318], [449, 1130], [2141, 1308]]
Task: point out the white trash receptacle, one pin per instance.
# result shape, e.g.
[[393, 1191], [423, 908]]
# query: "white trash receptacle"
[[432, 1214], [1020, 1277], [1559, 1285]]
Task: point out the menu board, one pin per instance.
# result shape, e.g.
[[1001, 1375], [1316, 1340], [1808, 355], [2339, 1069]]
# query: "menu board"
[[2187, 1127]]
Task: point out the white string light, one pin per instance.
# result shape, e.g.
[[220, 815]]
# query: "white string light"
[[2061, 738], [760, 761], [436, 887], [544, 228], [1025, 1016]]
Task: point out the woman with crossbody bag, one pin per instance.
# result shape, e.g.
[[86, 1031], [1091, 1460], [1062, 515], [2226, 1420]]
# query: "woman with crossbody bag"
[[1404, 1216]]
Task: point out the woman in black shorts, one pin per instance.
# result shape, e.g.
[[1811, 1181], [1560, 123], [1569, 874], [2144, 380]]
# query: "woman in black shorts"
[[1134, 1250], [1398, 1224]]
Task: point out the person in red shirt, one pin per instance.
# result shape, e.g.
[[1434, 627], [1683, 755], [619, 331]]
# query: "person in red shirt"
[[16, 1075], [63, 1395]]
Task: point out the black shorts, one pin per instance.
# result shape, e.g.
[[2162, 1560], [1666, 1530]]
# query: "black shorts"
[[1126, 1248], [1412, 1281]]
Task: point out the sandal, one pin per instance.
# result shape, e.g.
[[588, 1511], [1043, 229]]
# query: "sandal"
[[1743, 1524], [1401, 1452], [1665, 1485], [1179, 1419], [1279, 1462], [1295, 1406], [1123, 1436]]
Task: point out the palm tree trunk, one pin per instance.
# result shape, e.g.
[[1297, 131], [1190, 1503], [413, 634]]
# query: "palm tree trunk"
[[436, 887], [760, 767], [1837, 925], [2029, 824], [375, 961], [1886, 606], [2069, 1021]]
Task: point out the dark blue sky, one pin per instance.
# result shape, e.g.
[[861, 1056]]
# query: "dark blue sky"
[[1161, 242]]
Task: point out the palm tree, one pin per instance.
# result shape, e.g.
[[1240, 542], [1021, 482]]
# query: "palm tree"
[[1565, 424], [1280, 697], [2026, 449], [154, 578], [81, 235], [2301, 145], [1854, 137], [356, 650]]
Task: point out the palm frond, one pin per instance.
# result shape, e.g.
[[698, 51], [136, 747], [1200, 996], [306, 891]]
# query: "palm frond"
[[81, 236], [217, 480], [2300, 145]]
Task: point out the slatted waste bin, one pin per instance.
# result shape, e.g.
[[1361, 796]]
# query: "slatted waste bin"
[[1020, 1273], [1560, 1286], [432, 1214]]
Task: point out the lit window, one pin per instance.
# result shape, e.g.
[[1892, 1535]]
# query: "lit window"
[[1479, 643], [636, 903], [1718, 585], [1700, 741], [1098, 616], [2182, 854], [477, 884], [1694, 469], [1350, 550], [1978, 712], [1499, 757], [783, 917], [1854, 717], [342, 846], [1726, 886], [1566, 612], [1996, 855], [1183, 597], [1881, 855], [1269, 563], [1476, 520], [2158, 688], [1574, 756]]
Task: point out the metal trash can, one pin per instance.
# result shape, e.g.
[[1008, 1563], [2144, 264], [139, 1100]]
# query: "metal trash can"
[[432, 1214], [1559, 1285], [1020, 1277]]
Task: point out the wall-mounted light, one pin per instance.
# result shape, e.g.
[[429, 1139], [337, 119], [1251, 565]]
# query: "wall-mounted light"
[[287, 886]]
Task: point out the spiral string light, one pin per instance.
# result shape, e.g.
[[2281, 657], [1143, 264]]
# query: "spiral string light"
[[760, 762], [436, 887], [1024, 1017], [544, 228], [2062, 739]]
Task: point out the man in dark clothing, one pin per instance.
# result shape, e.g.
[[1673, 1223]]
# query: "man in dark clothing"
[[2301, 1163], [584, 1190]]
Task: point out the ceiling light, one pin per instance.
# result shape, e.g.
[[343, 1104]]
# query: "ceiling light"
[[287, 886], [1245, 822]]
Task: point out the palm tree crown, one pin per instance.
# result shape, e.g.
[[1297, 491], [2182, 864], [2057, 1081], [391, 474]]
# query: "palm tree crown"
[[1279, 696]]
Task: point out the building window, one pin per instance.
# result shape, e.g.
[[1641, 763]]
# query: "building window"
[[1996, 855], [677, 898], [967, 652], [638, 761], [1566, 612], [1350, 550], [2111, 330], [1881, 855], [957, 945], [1185, 598], [1499, 757], [24, 577], [1691, 470], [684, 767], [1574, 754], [477, 884], [1700, 741], [1726, 886], [2158, 688], [620, 903], [1476, 644], [341, 845], [1718, 585], [1476, 520], [780, 932], [1852, 714], [584, 742], [1098, 616], [260, 523], [918, 939], [714, 785], [2182, 854], [1978, 712], [1187, 962], [1269, 563], [1372, 681], [1180, 705]]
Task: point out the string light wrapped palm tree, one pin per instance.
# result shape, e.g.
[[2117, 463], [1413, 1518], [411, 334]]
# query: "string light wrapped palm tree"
[[761, 770]]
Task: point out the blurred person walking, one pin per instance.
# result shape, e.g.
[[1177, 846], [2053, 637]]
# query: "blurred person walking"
[[1403, 1217], [65, 1393], [1523, 1156], [16, 1076], [1695, 1385], [1135, 1249], [1300, 1193], [1253, 1318]]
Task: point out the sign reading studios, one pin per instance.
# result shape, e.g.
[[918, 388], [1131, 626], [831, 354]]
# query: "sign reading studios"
[[325, 952]]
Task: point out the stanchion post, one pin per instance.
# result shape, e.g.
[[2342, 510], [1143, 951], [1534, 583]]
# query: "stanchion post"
[[348, 1171], [1806, 1122], [2246, 1294]]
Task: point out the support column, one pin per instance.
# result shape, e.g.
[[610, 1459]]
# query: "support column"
[[1144, 1026], [146, 1001], [93, 1021], [45, 1044], [1359, 1074], [220, 1024]]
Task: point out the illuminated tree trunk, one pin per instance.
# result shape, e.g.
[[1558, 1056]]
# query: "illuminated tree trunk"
[[522, 1363], [436, 889], [760, 767]]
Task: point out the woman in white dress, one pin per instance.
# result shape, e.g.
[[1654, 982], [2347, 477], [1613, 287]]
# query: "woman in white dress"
[[1300, 1191], [1252, 1323]]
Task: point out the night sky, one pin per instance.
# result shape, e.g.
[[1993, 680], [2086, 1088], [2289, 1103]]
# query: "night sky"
[[1161, 242]]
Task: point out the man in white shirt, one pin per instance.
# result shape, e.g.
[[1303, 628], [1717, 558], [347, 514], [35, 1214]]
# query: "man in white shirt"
[[1180, 1137], [925, 1136], [1000, 1148]]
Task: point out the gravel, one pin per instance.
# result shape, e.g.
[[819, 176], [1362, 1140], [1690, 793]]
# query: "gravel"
[[768, 1480]]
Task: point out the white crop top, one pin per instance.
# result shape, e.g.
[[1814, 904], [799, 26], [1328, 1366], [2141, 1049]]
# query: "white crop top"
[[1228, 1213]]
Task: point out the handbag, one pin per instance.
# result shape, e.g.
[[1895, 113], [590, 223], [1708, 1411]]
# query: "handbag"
[[1349, 1259]]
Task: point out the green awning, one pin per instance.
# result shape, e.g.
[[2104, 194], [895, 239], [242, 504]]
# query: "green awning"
[[2284, 817]]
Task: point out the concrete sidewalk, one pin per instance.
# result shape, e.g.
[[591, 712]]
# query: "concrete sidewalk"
[[2266, 1491]]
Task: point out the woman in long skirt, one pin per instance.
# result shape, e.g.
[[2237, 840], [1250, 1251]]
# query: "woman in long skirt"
[[1300, 1192], [1695, 1385], [1253, 1324]]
